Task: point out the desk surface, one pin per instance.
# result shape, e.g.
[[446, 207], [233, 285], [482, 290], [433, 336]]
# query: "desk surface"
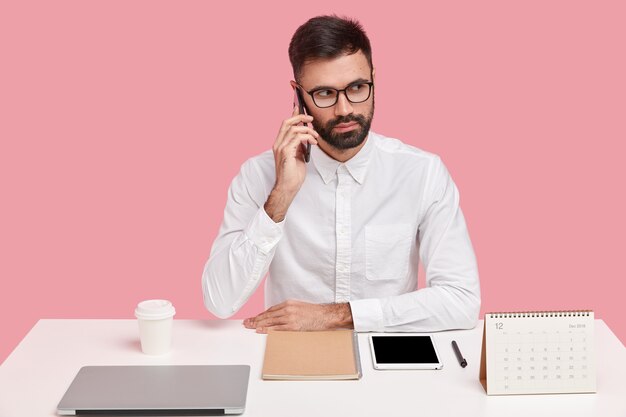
[[35, 376]]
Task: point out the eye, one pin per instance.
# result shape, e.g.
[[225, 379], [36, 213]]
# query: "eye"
[[357, 87], [324, 93]]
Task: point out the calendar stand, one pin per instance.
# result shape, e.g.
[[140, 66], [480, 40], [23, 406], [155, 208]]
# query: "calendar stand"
[[538, 352]]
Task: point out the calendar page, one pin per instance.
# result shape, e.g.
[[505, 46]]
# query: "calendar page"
[[538, 352]]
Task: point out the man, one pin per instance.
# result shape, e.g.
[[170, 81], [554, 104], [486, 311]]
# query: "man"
[[341, 236]]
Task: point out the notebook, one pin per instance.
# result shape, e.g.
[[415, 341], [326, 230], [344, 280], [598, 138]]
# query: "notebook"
[[321, 355], [538, 352]]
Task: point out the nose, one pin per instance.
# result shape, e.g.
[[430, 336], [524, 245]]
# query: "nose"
[[343, 107]]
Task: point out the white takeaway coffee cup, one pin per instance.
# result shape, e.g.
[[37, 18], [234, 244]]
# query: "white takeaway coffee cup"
[[155, 319]]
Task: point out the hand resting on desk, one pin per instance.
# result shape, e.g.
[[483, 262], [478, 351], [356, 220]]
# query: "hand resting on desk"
[[299, 315]]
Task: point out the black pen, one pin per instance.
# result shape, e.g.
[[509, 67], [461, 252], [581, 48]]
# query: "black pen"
[[458, 354]]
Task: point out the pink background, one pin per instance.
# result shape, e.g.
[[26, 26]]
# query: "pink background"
[[123, 123]]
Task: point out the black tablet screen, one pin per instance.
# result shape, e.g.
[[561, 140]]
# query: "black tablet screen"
[[404, 349]]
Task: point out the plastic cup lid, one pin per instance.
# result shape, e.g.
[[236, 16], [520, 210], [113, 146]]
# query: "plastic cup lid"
[[154, 310]]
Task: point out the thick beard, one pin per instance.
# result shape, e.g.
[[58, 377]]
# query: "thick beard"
[[346, 140]]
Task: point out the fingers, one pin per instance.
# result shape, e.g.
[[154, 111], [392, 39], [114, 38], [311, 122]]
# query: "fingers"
[[298, 118], [266, 322], [298, 130], [290, 147], [271, 321], [290, 123], [282, 327], [292, 132], [265, 316], [283, 316], [268, 317], [302, 129]]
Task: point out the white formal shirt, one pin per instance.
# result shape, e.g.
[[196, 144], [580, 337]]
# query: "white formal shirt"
[[354, 233]]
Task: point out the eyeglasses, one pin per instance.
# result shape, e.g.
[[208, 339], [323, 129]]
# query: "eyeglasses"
[[327, 97]]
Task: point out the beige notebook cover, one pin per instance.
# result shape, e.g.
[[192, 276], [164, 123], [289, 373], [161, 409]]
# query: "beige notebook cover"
[[322, 355]]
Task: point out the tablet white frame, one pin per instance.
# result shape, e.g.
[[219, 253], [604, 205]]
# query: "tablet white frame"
[[418, 365]]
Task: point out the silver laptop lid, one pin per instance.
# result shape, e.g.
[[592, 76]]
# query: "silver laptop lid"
[[191, 390]]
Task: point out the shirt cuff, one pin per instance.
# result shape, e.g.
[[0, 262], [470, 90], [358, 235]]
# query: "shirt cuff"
[[367, 315], [264, 232]]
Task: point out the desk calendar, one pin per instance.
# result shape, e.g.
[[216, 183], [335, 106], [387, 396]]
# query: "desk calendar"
[[538, 352]]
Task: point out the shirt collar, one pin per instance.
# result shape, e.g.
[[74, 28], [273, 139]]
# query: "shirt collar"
[[356, 166]]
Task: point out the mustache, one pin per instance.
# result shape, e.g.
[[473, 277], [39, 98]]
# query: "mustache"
[[347, 119]]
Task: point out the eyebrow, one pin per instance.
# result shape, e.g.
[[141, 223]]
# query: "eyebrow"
[[324, 87]]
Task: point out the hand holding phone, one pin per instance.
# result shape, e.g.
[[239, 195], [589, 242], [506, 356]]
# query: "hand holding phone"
[[289, 157]]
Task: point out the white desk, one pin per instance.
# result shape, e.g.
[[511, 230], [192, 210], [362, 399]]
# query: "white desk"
[[35, 376]]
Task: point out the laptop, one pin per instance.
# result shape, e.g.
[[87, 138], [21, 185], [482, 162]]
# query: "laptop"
[[181, 390]]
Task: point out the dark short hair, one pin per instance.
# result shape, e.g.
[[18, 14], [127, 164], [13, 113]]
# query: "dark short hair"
[[327, 37]]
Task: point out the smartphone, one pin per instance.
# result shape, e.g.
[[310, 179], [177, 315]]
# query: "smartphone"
[[302, 110]]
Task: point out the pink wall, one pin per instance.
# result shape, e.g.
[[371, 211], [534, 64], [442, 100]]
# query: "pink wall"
[[122, 124]]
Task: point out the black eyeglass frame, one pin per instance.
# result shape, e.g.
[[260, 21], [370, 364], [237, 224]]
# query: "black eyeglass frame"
[[370, 84]]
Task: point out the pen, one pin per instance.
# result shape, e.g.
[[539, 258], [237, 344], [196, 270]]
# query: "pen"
[[458, 354]]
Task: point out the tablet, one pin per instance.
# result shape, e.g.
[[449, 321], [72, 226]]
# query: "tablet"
[[407, 351]]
